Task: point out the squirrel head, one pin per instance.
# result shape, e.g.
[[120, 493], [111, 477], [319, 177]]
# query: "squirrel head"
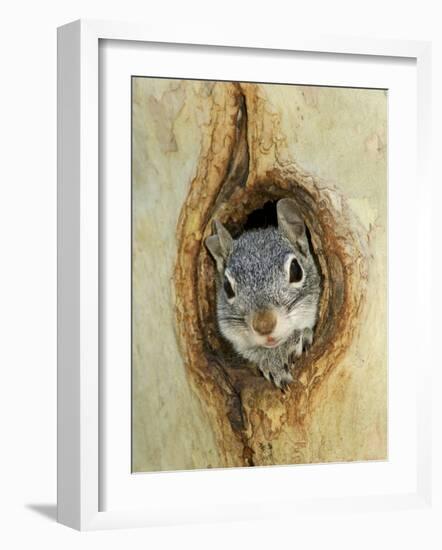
[[268, 284]]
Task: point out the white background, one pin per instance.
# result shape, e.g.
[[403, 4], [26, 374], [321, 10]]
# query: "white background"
[[28, 277]]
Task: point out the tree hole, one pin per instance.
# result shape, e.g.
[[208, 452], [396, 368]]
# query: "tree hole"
[[257, 210]]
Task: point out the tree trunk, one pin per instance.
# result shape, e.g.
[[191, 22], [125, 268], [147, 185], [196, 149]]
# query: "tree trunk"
[[205, 151]]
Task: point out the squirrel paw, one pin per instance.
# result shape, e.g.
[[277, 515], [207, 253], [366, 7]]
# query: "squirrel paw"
[[282, 380], [279, 375]]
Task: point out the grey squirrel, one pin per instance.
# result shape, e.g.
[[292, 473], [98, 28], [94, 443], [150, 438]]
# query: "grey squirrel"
[[268, 290]]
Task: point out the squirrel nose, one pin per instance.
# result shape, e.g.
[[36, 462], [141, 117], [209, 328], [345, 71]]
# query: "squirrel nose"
[[264, 321]]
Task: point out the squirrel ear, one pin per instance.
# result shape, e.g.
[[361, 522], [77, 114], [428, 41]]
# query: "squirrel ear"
[[291, 224], [219, 245]]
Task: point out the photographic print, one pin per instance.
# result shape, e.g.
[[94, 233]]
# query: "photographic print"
[[259, 274]]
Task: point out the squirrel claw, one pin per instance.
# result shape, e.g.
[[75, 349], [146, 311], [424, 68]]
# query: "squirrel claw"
[[266, 375], [276, 370], [307, 339], [282, 380]]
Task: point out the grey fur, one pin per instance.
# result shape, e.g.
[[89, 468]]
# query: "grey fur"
[[255, 265]]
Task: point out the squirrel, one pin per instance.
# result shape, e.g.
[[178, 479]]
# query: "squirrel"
[[268, 291]]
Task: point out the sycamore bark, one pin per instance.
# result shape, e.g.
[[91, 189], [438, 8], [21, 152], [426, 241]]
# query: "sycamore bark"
[[207, 150]]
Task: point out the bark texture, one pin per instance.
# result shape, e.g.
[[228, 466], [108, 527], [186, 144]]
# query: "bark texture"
[[253, 144]]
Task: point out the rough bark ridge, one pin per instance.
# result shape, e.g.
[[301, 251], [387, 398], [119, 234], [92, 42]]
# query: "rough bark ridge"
[[245, 163]]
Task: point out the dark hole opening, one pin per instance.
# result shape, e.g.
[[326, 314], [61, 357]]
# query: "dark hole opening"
[[262, 217], [266, 216]]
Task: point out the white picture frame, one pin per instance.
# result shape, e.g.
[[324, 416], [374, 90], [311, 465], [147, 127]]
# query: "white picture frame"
[[79, 276]]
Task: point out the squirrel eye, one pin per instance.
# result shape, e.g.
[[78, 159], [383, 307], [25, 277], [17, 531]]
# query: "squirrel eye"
[[295, 271], [228, 289]]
